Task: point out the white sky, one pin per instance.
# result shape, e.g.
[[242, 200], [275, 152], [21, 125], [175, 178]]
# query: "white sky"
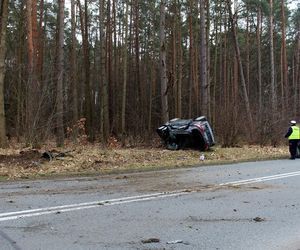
[[293, 4]]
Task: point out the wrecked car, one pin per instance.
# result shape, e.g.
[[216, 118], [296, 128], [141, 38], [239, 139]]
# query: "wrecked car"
[[187, 133]]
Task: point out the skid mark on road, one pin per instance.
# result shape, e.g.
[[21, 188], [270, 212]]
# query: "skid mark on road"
[[11, 242], [80, 206]]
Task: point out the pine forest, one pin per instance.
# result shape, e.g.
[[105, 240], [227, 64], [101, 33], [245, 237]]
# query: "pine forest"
[[102, 69]]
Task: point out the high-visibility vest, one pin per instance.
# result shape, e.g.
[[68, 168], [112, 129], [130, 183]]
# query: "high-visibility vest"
[[295, 134]]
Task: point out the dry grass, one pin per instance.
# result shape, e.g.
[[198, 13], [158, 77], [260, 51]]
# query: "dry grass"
[[92, 159]]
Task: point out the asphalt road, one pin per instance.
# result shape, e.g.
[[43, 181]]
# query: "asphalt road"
[[238, 206]]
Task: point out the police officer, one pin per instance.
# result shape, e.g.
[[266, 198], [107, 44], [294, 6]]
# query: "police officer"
[[293, 134]]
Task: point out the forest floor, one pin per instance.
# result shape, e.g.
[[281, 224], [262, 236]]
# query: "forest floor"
[[19, 162]]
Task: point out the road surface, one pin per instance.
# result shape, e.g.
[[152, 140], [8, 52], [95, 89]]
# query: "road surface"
[[238, 206]]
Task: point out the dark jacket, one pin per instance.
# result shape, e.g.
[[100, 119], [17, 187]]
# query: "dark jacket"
[[289, 132]]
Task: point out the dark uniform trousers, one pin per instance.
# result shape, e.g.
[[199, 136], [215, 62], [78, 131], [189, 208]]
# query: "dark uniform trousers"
[[293, 145]]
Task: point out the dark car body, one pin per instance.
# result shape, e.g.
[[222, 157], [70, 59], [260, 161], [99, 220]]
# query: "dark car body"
[[191, 133]]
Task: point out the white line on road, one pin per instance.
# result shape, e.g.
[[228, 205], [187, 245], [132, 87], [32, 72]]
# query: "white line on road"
[[87, 205], [261, 179]]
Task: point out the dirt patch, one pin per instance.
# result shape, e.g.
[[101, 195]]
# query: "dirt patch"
[[25, 159]]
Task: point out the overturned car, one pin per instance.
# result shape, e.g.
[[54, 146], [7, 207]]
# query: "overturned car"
[[192, 133]]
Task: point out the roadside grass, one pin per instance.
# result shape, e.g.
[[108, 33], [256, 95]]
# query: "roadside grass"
[[92, 160]]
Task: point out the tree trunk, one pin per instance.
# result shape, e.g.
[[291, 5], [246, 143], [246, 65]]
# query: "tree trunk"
[[223, 73], [40, 45], [259, 69], [60, 75], [139, 84], [20, 95], [3, 25], [272, 64], [151, 90], [73, 72], [109, 59], [248, 32], [203, 61], [33, 105], [284, 66], [208, 63], [105, 128], [124, 97], [180, 68], [163, 65], [191, 57], [243, 82], [174, 80], [177, 59], [297, 66], [215, 73], [87, 86], [113, 69]]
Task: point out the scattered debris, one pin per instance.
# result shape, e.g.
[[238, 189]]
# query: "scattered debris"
[[50, 155], [47, 155], [259, 219], [175, 242], [151, 240], [29, 152], [121, 177], [202, 157]]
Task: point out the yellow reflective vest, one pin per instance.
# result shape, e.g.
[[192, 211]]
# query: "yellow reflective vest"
[[295, 134]]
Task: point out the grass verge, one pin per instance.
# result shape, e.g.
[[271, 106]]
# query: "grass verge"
[[93, 160]]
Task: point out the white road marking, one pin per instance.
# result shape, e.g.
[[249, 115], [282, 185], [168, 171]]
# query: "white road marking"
[[80, 206], [124, 200], [261, 179]]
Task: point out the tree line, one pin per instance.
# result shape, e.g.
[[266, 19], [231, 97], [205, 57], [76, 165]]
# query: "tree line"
[[95, 69]]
